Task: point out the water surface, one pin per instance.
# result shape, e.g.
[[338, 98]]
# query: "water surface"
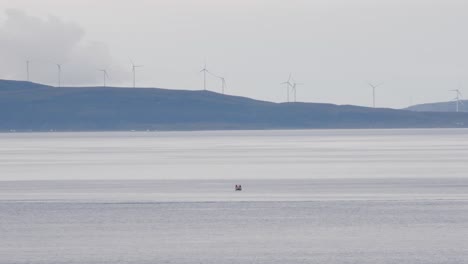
[[326, 196]]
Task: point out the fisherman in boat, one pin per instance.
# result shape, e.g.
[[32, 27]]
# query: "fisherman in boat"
[[238, 187]]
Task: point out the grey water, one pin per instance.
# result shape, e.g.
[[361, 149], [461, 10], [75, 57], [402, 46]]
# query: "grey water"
[[316, 196]]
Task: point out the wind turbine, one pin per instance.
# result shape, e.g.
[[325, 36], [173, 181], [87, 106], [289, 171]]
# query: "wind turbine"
[[458, 98], [373, 92], [59, 68], [294, 88], [223, 80], [223, 83], [134, 67], [204, 70], [105, 75], [27, 70], [288, 86]]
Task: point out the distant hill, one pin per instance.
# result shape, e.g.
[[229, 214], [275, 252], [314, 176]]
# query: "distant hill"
[[440, 107], [26, 106]]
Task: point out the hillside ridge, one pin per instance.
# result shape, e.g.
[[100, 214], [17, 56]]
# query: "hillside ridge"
[[27, 106]]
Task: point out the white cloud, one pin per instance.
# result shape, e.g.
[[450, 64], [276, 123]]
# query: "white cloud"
[[46, 42]]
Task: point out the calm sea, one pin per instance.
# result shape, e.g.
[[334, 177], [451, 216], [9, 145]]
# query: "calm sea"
[[319, 196]]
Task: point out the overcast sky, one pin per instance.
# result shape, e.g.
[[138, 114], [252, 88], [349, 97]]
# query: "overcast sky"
[[418, 49]]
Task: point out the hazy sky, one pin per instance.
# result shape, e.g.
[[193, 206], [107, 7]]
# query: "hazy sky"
[[417, 48]]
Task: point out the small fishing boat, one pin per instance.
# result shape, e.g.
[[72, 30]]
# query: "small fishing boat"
[[238, 188]]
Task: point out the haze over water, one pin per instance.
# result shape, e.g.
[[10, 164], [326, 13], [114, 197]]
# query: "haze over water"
[[308, 154], [323, 196]]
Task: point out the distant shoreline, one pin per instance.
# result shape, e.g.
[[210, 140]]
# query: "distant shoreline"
[[236, 130]]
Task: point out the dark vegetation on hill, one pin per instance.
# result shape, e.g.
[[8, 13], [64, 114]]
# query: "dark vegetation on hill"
[[440, 107], [26, 106]]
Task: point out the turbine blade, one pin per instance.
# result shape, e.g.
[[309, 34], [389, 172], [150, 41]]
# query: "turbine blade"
[[212, 74], [375, 85]]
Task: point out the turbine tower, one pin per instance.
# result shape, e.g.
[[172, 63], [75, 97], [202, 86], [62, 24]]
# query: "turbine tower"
[[373, 92], [27, 70], [59, 68], [288, 86], [204, 70], [105, 75], [223, 80], [458, 98], [294, 89], [134, 67], [223, 84]]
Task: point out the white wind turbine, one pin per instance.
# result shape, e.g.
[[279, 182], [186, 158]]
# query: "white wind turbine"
[[134, 67], [294, 88], [204, 70], [223, 84], [59, 68], [288, 86], [373, 92], [223, 80], [27, 69], [105, 75], [458, 99]]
